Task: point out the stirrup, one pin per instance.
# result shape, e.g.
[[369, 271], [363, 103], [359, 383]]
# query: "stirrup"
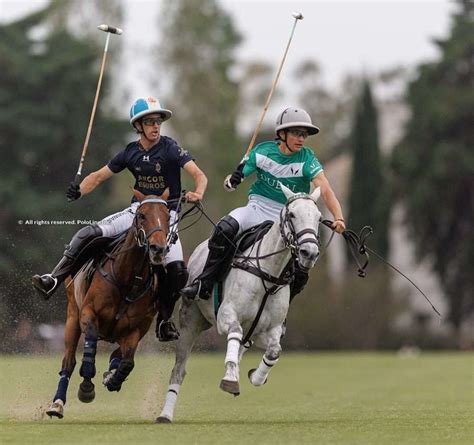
[[204, 293], [37, 282], [171, 334], [184, 292]]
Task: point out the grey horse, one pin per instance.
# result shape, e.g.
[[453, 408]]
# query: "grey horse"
[[295, 235]]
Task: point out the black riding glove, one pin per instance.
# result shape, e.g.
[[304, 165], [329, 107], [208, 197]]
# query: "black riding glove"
[[73, 191], [233, 180]]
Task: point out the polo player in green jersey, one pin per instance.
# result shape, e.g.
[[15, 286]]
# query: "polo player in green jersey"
[[283, 161]]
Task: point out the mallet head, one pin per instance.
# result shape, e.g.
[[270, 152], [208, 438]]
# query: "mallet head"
[[297, 15], [111, 29]]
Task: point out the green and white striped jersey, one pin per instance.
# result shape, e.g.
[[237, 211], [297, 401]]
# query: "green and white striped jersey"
[[295, 171]]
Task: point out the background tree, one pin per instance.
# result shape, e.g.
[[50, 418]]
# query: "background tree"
[[434, 164], [198, 46], [330, 110], [80, 16], [368, 198], [255, 82], [47, 89]]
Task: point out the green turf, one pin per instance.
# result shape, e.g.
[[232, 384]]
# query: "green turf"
[[309, 398]]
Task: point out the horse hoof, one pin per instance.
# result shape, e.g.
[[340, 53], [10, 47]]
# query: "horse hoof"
[[112, 387], [163, 419], [86, 393], [230, 387], [109, 382], [107, 376], [250, 373], [56, 409]]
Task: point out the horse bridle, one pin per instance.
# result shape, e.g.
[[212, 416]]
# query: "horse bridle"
[[141, 236], [292, 240]]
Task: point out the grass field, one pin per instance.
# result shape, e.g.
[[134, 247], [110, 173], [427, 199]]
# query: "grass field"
[[309, 398]]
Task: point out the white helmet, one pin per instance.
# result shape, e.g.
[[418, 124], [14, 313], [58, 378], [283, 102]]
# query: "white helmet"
[[295, 117], [141, 107]]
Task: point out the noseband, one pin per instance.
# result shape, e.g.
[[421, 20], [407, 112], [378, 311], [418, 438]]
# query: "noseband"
[[292, 239], [140, 235]]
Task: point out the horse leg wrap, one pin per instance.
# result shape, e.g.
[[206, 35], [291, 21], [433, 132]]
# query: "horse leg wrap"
[[259, 377], [233, 346], [114, 363], [170, 401], [62, 386], [125, 368], [88, 360]]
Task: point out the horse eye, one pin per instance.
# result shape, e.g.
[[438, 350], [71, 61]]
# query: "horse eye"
[[141, 216], [291, 215]]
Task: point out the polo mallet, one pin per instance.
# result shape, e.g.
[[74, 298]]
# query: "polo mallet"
[[109, 30], [297, 16]]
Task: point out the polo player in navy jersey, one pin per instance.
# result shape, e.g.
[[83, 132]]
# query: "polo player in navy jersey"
[[155, 161]]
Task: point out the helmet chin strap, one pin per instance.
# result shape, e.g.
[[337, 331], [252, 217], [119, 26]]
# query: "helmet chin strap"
[[284, 141], [142, 133]]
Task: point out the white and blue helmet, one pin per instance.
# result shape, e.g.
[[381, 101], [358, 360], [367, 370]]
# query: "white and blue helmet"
[[142, 107]]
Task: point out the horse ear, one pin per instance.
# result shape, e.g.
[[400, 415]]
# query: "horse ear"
[[316, 194], [139, 195], [288, 193], [166, 194]]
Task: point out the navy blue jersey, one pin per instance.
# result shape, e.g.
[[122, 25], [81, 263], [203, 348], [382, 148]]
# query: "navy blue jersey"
[[154, 170]]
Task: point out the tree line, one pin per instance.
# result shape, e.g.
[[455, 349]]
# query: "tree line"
[[46, 90]]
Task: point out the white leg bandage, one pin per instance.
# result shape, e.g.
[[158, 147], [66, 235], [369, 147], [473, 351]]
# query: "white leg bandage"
[[170, 402], [233, 346], [260, 375]]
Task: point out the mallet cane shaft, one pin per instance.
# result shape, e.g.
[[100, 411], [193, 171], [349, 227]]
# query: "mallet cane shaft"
[[109, 30], [227, 185], [297, 16]]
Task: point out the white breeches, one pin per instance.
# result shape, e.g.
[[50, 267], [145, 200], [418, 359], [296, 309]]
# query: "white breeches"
[[119, 222], [257, 210]]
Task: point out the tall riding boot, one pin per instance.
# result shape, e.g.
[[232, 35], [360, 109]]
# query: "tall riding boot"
[[47, 284], [221, 251], [168, 294]]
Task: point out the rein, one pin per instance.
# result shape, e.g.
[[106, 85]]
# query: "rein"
[[356, 243]]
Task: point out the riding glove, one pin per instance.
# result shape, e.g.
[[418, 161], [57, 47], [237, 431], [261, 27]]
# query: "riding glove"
[[73, 191], [233, 180]]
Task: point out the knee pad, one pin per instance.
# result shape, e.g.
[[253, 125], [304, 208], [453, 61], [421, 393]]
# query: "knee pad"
[[177, 274], [81, 240], [225, 232]]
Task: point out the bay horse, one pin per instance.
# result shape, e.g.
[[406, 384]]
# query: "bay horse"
[[255, 298], [118, 306]]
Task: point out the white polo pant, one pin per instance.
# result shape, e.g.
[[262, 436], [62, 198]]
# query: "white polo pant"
[[257, 210]]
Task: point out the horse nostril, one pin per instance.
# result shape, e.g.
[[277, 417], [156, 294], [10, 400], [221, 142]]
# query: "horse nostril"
[[156, 250], [309, 254], [305, 253]]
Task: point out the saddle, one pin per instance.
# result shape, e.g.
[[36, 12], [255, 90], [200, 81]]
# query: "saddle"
[[243, 242], [252, 235], [95, 253], [246, 240]]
